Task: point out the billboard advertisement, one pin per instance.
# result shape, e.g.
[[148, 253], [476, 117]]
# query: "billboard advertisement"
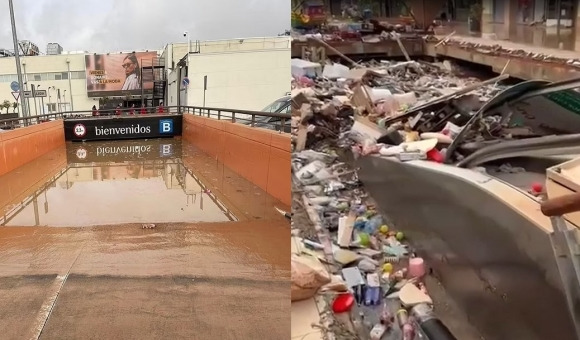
[[118, 74]]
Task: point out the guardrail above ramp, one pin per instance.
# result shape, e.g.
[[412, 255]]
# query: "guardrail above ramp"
[[268, 120]]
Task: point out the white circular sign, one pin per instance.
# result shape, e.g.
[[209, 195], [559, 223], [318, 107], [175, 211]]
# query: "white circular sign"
[[81, 153], [80, 130]]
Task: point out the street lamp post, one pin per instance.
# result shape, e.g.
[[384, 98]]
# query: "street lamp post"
[[17, 59], [188, 46], [26, 86], [72, 105], [186, 68]]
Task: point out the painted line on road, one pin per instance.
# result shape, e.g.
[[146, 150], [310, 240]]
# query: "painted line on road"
[[48, 305]]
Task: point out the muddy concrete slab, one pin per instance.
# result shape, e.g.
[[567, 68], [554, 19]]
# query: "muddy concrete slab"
[[204, 281], [171, 307], [102, 278], [20, 298]]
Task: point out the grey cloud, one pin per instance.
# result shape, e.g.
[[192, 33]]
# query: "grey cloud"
[[114, 25]]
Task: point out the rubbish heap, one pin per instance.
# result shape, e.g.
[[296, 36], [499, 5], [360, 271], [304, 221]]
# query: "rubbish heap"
[[498, 50], [355, 27], [374, 288]]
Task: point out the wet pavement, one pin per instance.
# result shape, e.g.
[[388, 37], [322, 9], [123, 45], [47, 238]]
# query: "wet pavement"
[[102, 276]]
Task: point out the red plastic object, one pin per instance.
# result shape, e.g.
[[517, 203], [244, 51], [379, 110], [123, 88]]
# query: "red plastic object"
[[343, 303], [537, 187], [435, 155]]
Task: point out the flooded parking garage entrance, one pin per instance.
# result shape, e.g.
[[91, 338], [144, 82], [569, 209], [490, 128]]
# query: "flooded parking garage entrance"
[[214, 267], [108, 183]]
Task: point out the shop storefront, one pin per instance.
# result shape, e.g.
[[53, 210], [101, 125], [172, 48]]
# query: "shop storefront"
[[528, 11]]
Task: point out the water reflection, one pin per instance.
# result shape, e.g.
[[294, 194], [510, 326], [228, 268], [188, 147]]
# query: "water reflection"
[[121, 183]]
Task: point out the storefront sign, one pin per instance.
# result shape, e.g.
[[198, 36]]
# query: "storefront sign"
[[114, 128]]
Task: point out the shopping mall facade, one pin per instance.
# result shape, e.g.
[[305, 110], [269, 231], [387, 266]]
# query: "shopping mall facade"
[[242, 73]]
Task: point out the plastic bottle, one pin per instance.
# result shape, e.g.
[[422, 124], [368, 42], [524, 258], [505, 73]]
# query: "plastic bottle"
[[430, 325]]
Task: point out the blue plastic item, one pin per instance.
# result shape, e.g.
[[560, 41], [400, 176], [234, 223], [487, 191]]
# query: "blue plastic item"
[[373, 224]]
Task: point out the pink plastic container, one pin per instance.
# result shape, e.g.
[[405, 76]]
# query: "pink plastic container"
[[416, 268]]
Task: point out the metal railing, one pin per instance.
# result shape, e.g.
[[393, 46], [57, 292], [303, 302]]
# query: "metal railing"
[[268, 120]]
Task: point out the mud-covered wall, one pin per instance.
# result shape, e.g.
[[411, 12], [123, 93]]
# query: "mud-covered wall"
[[20, 146], [259, 155]]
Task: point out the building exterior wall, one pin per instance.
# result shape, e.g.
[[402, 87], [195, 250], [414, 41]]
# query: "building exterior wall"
[[45, 72], [176, 51], [247, 80], [259, 66]]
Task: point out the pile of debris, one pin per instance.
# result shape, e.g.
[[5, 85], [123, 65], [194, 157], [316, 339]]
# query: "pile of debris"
[[499, 50], [405, 109], [375, 286], [353, 25]]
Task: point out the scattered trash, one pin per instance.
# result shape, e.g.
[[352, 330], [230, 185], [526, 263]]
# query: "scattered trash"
[[307, 276], [284, 213], [148, 226], [404, 111]]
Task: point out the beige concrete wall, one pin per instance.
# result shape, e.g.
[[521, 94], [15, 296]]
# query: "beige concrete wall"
[[48, 64], [179, 50], [247, 80]]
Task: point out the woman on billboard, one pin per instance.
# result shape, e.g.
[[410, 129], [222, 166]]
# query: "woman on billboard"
[[132, 72]]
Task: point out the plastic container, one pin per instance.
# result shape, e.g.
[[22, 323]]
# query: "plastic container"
[[416, 268]]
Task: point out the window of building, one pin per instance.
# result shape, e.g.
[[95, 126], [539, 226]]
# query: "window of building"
[[51, 107], [7, 78]]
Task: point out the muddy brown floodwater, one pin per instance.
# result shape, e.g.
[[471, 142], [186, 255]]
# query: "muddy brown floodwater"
[[75, 262]]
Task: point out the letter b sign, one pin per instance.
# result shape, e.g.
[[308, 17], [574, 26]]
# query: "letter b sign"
[[166, 126]]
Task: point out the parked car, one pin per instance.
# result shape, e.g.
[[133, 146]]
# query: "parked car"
[[281, 105]]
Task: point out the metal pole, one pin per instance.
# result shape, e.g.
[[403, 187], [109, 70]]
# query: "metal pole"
[[188, 50], [72, 105], [178, 89], [34, 99], [26, 86], [17, 58], [49, 101], [40, 101]]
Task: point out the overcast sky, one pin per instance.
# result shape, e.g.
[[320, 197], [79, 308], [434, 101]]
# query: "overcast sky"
[[121, 25]]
